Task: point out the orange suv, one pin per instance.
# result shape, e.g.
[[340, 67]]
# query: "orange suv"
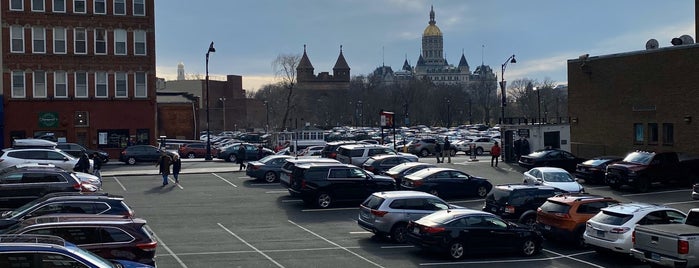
[[564, 216]]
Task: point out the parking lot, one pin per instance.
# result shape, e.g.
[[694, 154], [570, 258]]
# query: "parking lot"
[[221, 218]]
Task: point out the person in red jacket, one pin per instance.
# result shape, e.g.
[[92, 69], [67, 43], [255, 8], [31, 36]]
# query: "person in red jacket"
[[495, 154]]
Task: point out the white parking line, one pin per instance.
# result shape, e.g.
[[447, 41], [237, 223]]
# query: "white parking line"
[[575, 259], [251, 246], [119, 182], [244, 177], [335, 244], [361, 232], [683, 202], [264, 184], [326, 209], [560, 256], [276, 192], [224, 180], [176, 184], [663, 192], [252, 251], [161, 243]]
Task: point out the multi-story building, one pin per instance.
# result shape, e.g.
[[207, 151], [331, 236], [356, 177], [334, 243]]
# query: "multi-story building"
[[307, 80], [80, 71]]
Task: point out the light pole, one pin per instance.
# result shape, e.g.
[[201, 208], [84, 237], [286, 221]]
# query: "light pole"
[[503, 87], [223, 101], [538, 105], [267, 108], [208, 132], [448, 113]]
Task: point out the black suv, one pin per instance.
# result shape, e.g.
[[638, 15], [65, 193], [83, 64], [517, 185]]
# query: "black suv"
[[20, 185], [324, 184], [518, 202], [67, 202], [77, 150]]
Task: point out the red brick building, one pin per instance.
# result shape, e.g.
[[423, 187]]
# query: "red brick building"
[[80, 71]]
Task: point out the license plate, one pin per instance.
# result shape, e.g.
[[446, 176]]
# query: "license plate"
[[655, 256], [600, 233]]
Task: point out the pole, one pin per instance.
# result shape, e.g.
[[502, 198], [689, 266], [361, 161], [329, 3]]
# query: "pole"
[[223, 101], [267, 108], [208, 132]]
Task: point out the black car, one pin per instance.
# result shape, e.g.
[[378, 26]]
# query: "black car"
[[550, 158], [518, 202], [78, 150], [379, 164], [20, 185], [230, 153], [323, 185], [67, 202], [592, 171], [141, 153], [459, 232], [446, 182], [401, 170], [267, 168]]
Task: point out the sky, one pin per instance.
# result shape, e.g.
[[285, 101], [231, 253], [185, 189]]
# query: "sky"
[[542, 34]]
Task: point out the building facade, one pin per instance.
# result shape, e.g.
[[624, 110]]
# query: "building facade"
[[79, 71], [307, 79]]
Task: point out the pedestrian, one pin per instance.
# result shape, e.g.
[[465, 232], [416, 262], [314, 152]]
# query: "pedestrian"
[[176, 167], [518, 148], [97, 167], [164, 162], [495, 154], [260, 152], [83, 164], [525, 147], [446, 150], [240, 158], [438, 151]]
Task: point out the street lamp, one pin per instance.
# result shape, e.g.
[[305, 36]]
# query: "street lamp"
[[208, 132], [448, 113], [223, 101], [538, 104], [267, 108], [503, 87]]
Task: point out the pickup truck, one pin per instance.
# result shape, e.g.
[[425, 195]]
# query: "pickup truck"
[[640, 169], [669, 245]]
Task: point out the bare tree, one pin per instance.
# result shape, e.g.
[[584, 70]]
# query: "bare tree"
[[285, 70]]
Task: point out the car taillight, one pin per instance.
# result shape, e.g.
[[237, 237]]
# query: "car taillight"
[[148, 246], [378, 213], [682, 247], [432, 230], [416, 183], [255, 167], [619, 230], [510, 209], [332, 155], [633, 237]]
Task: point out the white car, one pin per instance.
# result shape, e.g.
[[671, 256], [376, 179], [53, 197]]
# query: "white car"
[[61, 159], [612, 228], [554, 177]]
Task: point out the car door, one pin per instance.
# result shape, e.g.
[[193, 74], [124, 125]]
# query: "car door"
[[442, 182], [416, 208], [59, 160], [461, 184]]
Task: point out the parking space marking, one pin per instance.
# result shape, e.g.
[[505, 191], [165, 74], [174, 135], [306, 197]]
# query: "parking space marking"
[[119, 182], [224, 180], [276, 192], [575, 259], [683, 202], [244, 177], [335, 244], [560, 256], [361, 232], [649, 193], [252, 251], [251, 246], [326, 209], [161, 243], [176, 184]]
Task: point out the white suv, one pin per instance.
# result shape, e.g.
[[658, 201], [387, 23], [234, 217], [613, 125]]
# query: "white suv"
[[611, 229], [357, 154], [13, 157]]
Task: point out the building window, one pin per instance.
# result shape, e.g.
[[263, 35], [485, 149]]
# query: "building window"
[[59, 40], [101, 84], [100, 41], [139, 8], [17, 5], [59, 6], [17, 33], [38, 5], [18, 84], [39, 84], [668, 134], [638, 133], [39, 40], [139, 42], [60, 84], [100, 7], [141, 89], [80, 36], [120, 42], [120, 82], [652, 133], [142, 136], [112, 138], [119, 7], [79, 6], [81, 85]]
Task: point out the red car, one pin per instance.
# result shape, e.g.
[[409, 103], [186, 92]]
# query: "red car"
[[195, 150]]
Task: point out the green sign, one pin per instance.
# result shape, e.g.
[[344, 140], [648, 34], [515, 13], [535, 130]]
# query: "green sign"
[[48, 119]]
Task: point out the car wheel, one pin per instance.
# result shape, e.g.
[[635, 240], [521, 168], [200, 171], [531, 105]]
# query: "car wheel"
[[529, 247], [643, 185], [528, 220], [191, 155], [434, 192], [131, 161], [479, 151], [232, 158], [324, 200], [398, 232], [270, 176], [456, 250], [482, 191], [424, 153]]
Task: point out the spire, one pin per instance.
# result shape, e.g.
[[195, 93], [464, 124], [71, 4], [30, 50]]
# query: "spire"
[[305, 63], [341, 63], [420, 61], [406, 65], [462, 61], [432, 22]]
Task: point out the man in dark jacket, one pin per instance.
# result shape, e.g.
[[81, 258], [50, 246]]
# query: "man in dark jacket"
[[240, 158], [164, 162]]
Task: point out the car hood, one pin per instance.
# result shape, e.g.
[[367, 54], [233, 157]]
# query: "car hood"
[[382, 178], [572, 187]]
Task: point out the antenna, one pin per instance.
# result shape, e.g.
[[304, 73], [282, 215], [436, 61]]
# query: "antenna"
[[383, 55]]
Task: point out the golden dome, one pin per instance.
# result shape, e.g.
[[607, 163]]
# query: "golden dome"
[[432, 30]]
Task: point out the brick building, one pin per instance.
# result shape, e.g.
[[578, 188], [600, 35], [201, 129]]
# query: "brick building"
[[79, 71], [307, 80]]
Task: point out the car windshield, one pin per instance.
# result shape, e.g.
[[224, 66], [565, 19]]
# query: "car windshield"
[[22, 209], [611, 218], [639, 158], [595, 162], [557, 177], [91, 257], [267, 159], [540, 153], [498, 196]]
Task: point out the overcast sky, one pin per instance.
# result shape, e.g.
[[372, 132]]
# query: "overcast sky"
[[543, 34]]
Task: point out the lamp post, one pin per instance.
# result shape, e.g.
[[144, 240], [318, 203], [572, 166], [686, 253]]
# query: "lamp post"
[[267, 125], [208, 132], [538, 104], [503, 87], [448, 113], [223, 101]]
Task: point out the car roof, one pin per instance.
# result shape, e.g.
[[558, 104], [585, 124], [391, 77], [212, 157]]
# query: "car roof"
[[302, 160], [71, 218], [428, 171], [382, 156], [550, 169], [631, 208], [523, 186], [362, 146], [81, 195], [308, 165], [577, 197], [397, 194]]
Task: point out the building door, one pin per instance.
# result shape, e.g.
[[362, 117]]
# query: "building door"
[[552, 139], [81, 138]]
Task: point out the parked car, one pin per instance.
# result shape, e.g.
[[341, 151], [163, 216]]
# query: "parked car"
[[401, 170], [195, 150], [330, 149], [267, 169], [459, 232], [592, 171], [550, 158], [423, 146], [379, 164], [388, 213], [518, 202], [312, 151], [76, 150], [230, 153], [291, 164], [141, 153], [67, 202], [669, 244], [357, 154], [612, 228], [20, 185], [52, 251], [563, 216], [554, 177], [641, 169], [109, 236], [481, 145], [13, 157], [323, 185], [446, 182], [85, 178]]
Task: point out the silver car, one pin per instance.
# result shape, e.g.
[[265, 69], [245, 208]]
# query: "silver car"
[[388, 213], [61, 159]]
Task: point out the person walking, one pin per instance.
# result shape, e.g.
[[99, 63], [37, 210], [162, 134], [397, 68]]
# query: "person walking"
[[495, 154], [176, 167], [240, 158], [518, 148], [83, 164], [446, 150], [438, 151], [260, 152], [97, 166], [164, 163]]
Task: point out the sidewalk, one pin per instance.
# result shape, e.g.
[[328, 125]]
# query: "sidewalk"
[[144, 170]]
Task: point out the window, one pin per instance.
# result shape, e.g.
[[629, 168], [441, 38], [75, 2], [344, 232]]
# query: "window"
[[101, 84], [60, 84], [59, 6], [46, 259], [39, 40], [39, 84], [80, 36], [638, 133], [668, 134], [139, 42], [120, 82], [17, 5], [139, 8], [79, 6], [111, 234], [59, 40], [100, 7], [100, 41], [652, 133], [141, 88], [17, 33], [81, 85], [112, 138], [119, 7], [119, 42], [38, 5], [18, 84]]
